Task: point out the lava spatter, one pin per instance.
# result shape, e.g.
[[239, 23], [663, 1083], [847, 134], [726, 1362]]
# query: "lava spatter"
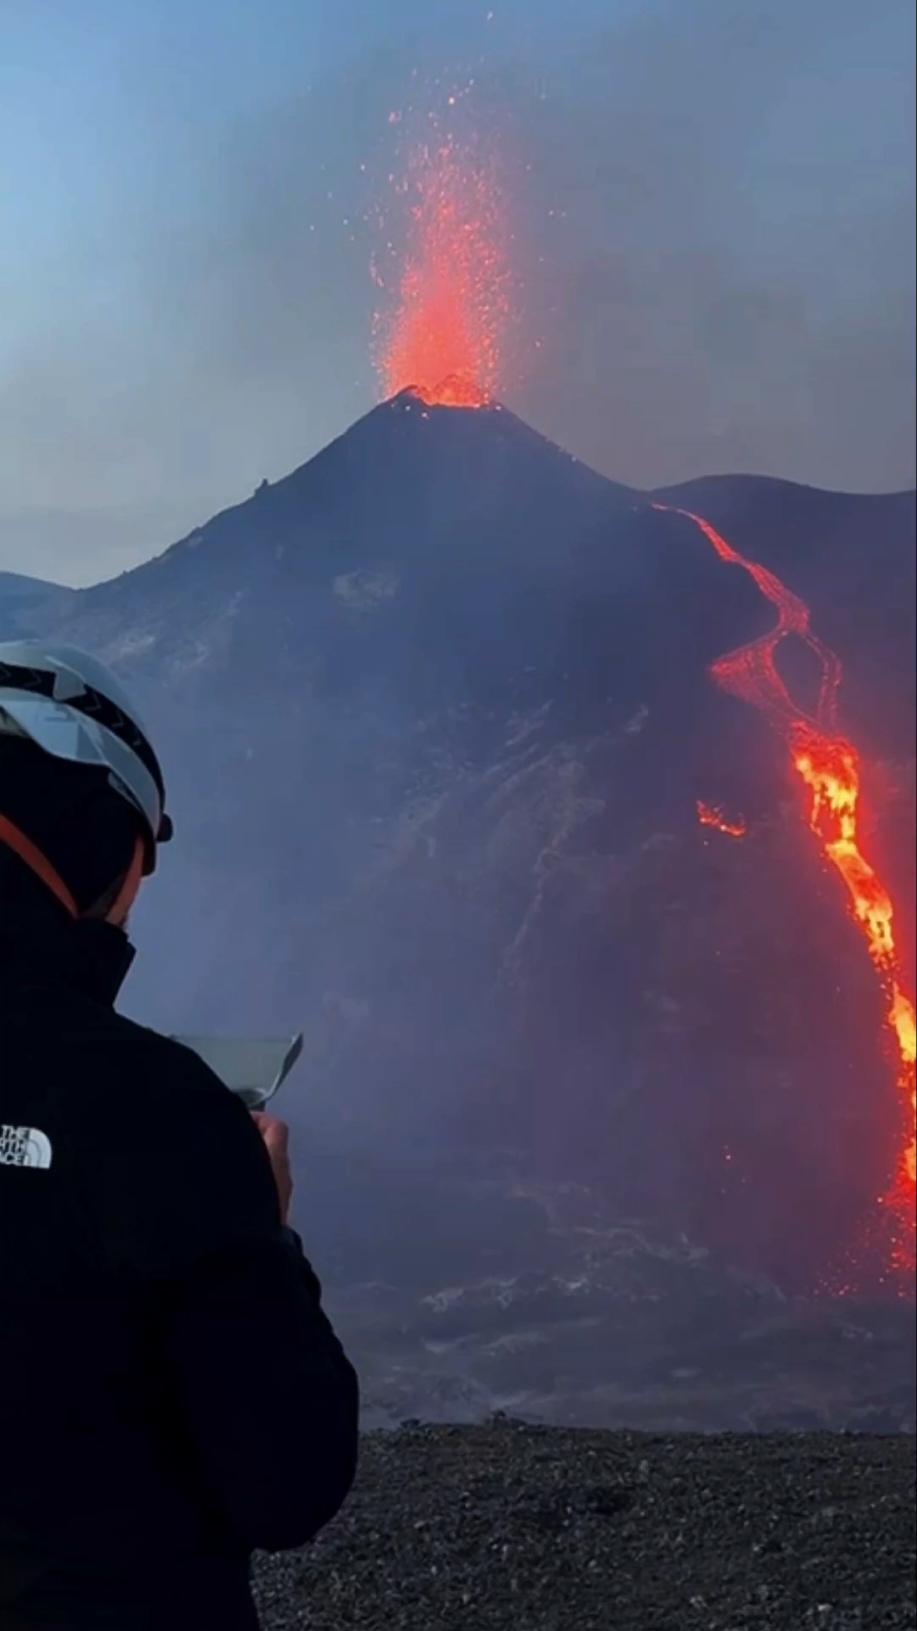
[[710, 815], [828, 766], [444, 337]]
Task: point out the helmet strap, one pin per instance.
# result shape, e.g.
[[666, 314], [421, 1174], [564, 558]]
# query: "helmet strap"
[[130, 884], [28, 852]]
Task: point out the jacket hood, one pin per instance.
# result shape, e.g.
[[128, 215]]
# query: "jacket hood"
[[41, 944]]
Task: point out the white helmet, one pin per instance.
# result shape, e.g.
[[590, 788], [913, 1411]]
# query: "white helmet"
[[72, 706]]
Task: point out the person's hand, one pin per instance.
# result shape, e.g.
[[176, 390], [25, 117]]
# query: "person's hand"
[[276, 1136]]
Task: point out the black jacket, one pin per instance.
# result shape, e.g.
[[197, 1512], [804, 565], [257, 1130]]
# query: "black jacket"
[[171, 1393]]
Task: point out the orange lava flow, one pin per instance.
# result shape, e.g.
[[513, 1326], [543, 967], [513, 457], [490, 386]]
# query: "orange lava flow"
[[829, 768], [710, 816], [444, 337]]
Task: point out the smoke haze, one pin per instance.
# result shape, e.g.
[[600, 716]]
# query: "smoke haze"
[[712, 209]]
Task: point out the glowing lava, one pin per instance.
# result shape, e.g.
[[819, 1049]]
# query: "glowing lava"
[[829, 767], [709, 815], [445, 335]]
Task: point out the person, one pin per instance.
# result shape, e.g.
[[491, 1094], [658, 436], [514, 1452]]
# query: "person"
[[172, 1394]]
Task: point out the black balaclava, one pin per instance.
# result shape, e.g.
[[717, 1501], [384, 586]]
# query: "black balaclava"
[[71, 813]]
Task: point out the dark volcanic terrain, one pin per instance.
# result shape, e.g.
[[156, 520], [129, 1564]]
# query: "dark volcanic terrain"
[[503, 1528], [583, 1077]]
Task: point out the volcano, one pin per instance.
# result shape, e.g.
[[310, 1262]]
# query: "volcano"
[[437, 716]]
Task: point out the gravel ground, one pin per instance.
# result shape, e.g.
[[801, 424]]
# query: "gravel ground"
[[510, 1527]]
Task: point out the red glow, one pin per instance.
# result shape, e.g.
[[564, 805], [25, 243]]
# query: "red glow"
[[829, 768], [709, 815], [444, 338]]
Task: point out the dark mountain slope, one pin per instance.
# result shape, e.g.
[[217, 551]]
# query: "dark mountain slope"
[[28, 603], [436, 716], [852, 557]]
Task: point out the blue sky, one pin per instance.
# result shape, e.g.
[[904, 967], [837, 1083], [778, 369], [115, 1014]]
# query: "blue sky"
[[714, 211]]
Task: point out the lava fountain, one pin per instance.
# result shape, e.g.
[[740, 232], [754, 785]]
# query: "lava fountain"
[[444, 337], [829, 767]]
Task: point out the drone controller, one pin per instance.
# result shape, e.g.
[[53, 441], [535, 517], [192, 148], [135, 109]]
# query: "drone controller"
[[252, 1068]]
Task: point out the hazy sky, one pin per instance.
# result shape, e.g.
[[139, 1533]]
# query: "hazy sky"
[[712, 203]]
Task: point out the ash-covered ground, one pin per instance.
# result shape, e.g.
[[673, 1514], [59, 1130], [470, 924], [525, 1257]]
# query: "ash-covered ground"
[[506, 1527]]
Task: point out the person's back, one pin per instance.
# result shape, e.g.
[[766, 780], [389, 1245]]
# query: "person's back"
[[171, 1393]]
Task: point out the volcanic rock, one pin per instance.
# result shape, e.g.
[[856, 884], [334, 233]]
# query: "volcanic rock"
[[505, 1527]]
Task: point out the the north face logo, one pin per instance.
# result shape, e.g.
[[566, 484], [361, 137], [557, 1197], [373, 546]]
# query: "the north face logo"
[[24, 1147]]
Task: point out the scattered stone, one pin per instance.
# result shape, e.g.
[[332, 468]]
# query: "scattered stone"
[[509, 1527]]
